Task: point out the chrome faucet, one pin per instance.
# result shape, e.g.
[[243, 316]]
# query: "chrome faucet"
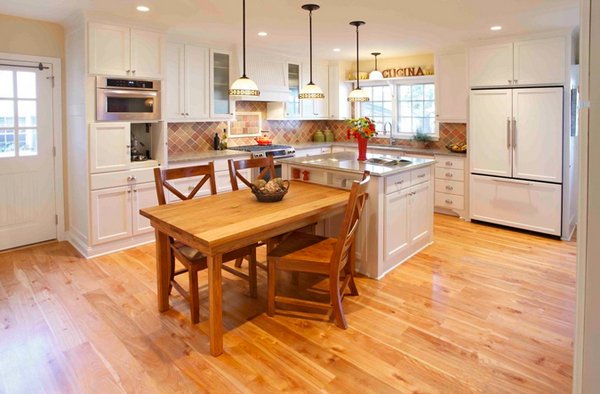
[[385, 131]]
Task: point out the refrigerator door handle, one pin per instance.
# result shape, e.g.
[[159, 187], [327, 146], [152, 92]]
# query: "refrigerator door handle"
[[508, 135], [511, 181], [514, 131]]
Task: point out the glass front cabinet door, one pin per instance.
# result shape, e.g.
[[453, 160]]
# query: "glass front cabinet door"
[[221, 106], [293, 107]]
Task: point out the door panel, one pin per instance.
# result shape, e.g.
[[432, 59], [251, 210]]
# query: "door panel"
[[397, 238], [146, 54], [144, 196], [175, 81], [111, 214], [196, 77], [537, 134], [491, 65], [489, 132], [540, 61], [420, 218], [109, 49], [109, 147]]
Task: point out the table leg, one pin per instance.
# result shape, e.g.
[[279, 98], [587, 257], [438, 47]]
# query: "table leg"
[[163, 270], [215, 304]]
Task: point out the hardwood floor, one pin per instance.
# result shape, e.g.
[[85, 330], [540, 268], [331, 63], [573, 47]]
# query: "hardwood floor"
[[484, 309]]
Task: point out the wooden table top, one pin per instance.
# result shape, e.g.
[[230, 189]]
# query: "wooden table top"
[[225, 221]]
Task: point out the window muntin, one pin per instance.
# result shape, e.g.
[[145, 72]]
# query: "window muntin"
[[380, 108]]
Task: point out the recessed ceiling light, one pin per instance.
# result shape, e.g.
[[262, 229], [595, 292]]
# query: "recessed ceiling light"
[[142, 8], [336, 49], [263, 33], [496, 28]]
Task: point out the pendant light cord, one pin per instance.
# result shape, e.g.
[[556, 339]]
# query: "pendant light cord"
[[244, 38], [357, 66], [376, 63], [310, 44]]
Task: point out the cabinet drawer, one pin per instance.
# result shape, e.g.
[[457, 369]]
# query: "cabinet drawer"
[[449, 174], [450, 162], [397, 182], [121, 178], [420, 175], [450, 187], [446, 200]]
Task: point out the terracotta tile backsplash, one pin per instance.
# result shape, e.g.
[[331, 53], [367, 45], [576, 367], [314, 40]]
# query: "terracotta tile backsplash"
[[189, 137]]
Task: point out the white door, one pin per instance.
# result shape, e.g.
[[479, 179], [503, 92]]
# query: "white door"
[[196, 82], [420, 218], [175, 81], [109, 50], [27, 195], [490, 132], [396, 224], [541, 61], [491, 65], [110, 147], [111, 214], [144, 196], [537, 134], [147, 57]]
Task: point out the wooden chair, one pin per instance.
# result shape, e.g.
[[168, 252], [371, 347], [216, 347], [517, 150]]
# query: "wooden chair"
[[266, 163], [304, 252], [192, 259]]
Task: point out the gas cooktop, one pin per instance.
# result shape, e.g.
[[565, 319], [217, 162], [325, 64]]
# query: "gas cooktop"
[[277, 151]]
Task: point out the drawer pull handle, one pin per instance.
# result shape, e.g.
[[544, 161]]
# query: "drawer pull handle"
[[449, 163], [421, 176], [449, 187], [130, 178], [399, 182], [449, 175], [448, 201]]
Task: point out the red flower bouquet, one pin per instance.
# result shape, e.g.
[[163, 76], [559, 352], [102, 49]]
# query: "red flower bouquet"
[[362, 129]]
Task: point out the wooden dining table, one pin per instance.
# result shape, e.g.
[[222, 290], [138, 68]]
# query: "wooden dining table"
[[221, 223]]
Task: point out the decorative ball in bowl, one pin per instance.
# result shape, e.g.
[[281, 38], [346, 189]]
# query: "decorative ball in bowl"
[[271, 191]]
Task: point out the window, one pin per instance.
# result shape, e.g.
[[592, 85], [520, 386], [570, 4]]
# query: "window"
[[408, 105]]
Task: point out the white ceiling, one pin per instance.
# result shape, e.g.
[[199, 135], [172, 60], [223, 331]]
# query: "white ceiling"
[[394, 27]]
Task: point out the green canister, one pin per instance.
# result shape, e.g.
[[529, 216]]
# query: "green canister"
[[319, 136], [329, 136]]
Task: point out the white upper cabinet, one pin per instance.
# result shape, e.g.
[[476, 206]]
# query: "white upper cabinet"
[[540, 61], [339, 107], [122, 51], [491, 65], [452, 95], [221, 105], [529, 62], [187, 82]]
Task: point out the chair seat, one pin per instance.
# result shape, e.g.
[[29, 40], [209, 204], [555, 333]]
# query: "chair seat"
[[189, 252], [198, 258], [304, 252]]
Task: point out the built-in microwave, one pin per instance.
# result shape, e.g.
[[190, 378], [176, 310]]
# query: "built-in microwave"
[[127, 99]]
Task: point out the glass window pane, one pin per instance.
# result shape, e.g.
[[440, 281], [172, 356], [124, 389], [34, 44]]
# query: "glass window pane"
[[426, 125], [7, 113], [369, 92], [405, 92], [429, 92], [377, 93], [28, 142], [7, 143], [418, 125], [27, 113], [26, 84], [6, 84], [431, 121], [405, 125], [417, 92], [429, 108], [417, 108], [387, 109], [387, 93], [366, 108]]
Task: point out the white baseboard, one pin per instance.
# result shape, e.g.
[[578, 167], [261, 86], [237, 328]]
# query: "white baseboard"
[[110, 247]]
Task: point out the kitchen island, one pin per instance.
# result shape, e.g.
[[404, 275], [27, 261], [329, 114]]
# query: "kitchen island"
[[398, 219]]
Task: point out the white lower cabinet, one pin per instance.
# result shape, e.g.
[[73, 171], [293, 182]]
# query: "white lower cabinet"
[[397, 239], [144, 196], [528, 205]]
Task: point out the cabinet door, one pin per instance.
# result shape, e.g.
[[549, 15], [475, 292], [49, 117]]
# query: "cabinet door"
[[491, 65], [540, 61], [147, 58], [175, 81], [538, 134], [224, 182], [109, 50], [420, 218], [196, 82], [321, 79], [293, 106], [489, 132], [451, 84], [111, 214], [221, 107], [109, 147], [396, 234], [144, 196]]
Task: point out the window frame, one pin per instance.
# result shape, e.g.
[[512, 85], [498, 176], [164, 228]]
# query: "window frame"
[[395, 83]]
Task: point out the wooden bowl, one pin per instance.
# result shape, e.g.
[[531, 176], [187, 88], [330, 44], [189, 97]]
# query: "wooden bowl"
[[263, 196]]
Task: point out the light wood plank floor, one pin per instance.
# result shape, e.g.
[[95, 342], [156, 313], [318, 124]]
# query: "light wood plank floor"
[[482, 310]]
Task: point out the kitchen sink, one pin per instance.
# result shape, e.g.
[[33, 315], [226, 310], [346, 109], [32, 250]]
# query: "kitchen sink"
[[388, 162]]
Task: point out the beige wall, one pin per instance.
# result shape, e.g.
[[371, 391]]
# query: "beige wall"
[[424, 61], [37, 38]]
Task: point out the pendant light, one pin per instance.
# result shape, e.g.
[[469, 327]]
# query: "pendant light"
[[310, 91], [375, 74], [357, 95], [244, 86]]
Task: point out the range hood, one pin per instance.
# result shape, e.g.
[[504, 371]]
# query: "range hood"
[[269, 71]]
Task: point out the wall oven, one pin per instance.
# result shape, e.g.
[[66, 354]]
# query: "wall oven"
[[127, 99]]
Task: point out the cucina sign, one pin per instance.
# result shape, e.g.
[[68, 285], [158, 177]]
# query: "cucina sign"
[[405, 72]]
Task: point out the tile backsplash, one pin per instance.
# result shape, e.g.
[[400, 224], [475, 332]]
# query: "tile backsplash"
[[190, 137]]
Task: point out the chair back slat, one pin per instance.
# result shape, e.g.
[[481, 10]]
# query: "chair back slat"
[[354, 210], [161, 178], [266, 163]]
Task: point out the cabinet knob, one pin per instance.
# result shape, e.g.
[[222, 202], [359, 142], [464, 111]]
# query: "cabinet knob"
[[449, 187], [449, 175], [183, 114], [187, 114], [516, 81], [448, 201], [133, 72], [449, 163], [128, 191], [510, 81], [135, 190], [128, 71], [421, 176]]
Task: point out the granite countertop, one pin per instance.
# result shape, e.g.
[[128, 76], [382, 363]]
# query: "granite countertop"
[[407, 149], [346, 162], [206, 155]]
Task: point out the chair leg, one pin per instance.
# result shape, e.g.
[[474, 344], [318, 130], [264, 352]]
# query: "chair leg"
[[349, 269], [271, 274], [252, 275], [336, 303], [172, 278], [238, 262], [194, 296]]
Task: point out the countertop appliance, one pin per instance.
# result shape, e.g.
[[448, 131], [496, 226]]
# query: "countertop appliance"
[[516, 157], [258, 151], [127, 99]]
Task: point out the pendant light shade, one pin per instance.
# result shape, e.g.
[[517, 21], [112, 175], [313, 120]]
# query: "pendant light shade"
[[375, 74], [244, 86], [357, 95], [310, 91]]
